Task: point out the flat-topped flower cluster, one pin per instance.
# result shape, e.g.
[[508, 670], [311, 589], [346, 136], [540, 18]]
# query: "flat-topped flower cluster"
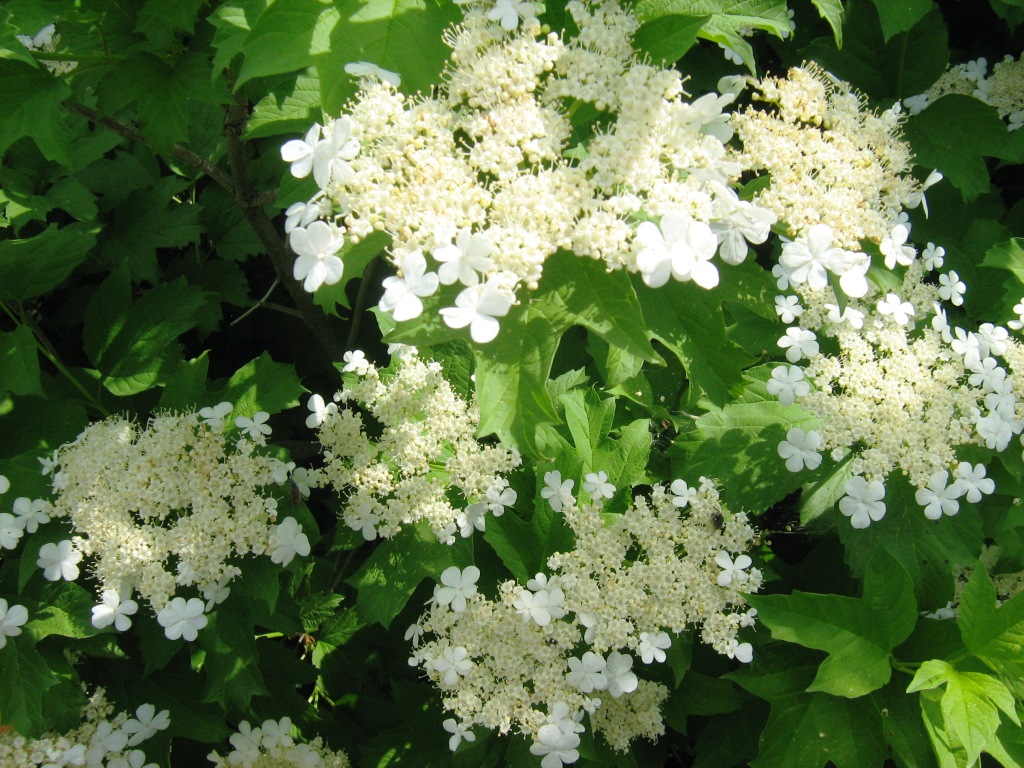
[[273, 745], [1003, 88], [416, 459], [540, 656]]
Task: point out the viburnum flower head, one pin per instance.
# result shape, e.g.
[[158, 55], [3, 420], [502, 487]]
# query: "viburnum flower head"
[[59, 561], [12, 618], [287, 540], [463, 260], [113, 610], [317, 247], [402, 295], [478, 306], [456, 586], [678, 246], [182, 618], [863, 501]]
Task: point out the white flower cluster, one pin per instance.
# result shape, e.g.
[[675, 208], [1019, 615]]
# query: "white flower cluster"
[[1003, 89], [46, 40], [272, 745], [831, 159], [478, 185], [542, 655], [425, 463], [904, 391], [102, 739], [164, 507]]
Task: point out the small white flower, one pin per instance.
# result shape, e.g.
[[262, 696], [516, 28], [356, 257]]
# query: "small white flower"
[[808, 258], [364, 519], [369, 70], [402, 295], [987, 375], [800, 449], [974, 481], [301, 215], [952, 288], [863, 501], [938, 499], [799, 343], [788, 383], [742, 652], [478, 306], [557, 747], [320, 410], [682, 494], [541, 601], [286, 541], [597, 485], [255, 428], [653, 647], [459, 585], [945, 612], [12, 618], [355, 361], [498, 497], [452, 664], [276, 733], [317, 247], [680, 247], [414, 634], [992, 339], [587, 674], [113, 610], [31, 513], [849, 315], [621, 678], [182, 619], [462, 260], [968, 346], [214, 416], [146, 724], [215, 594], [732, 570], [49, 463], [557, 492], [473, 517], [11, 530], [105, 740], [894, 247], [299, 152], [5, 485], [459, 733], [59, 561], [788, 308], [508, 13], [933, 257], [900, 310]]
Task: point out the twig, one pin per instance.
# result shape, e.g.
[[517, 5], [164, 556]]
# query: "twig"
[[255, 306]]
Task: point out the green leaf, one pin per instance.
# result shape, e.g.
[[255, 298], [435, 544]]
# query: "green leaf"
[[24, 678], [666, 39], [857, 633], [397, 566], [231, 666], [317, 608], [286, 36], [832, 12], [35, 265], [261, 385], [900, 15], [289, 107], [355, 258], [960, 153], [993, 635], [589, 420], [403, 36], [31, 104], [901, 725], [689, 321], [186, 387], [64, 609], [19, 363]]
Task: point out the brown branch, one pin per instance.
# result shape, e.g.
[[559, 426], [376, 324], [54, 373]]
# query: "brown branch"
[[184, 154], [251, 202]]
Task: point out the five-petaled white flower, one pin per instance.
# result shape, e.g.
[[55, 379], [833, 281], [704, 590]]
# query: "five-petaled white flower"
[[287, 540], [452, 664], [113, 610], [59, 561], [900, 310], [799, 343], [256, 428], [367, 69], [682, 494], [788, 383], [508, 13], [732, 570], [478, 306], [402, 295], [459, 733], [788, 308], [462, 260], [809, 258], [952, 288], [31, 513], [587, 673], [319, 411], [556, 491], [863, 501], [11, 530], [933, 257], [356, 362], [680, 247], [621, 678], [541, 601], [849, 315], [597, 485], [459, 584], [800, 449], [317, 247], [895, 249], [214, 415], [146, 724], [557, 746], [974, 481], [327, 157], [181, 618], [937, 498], [12, 618], [652, 647]]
